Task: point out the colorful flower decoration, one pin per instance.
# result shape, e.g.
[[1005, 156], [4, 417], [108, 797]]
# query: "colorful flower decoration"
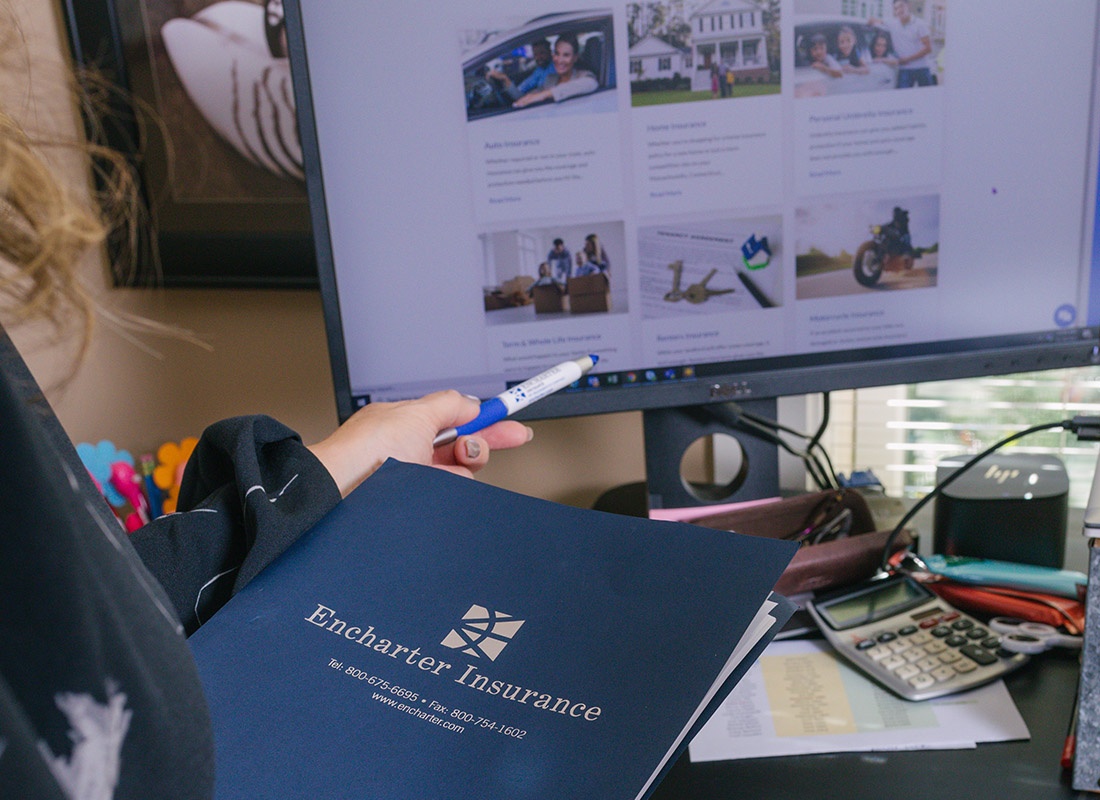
[[171, 459], [97, 459]]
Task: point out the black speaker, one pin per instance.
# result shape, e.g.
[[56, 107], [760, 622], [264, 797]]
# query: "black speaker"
[[1010, 507]]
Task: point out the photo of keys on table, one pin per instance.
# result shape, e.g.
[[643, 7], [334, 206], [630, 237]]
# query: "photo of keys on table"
[[696, 292]]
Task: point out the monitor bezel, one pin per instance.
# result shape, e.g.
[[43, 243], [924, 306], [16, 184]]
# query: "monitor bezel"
[[757, 379]]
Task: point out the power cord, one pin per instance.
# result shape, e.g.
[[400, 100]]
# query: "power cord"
[[828, 477], [820, 469]]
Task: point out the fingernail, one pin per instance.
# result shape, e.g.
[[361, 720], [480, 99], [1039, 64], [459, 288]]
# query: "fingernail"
[[472, 397], [473, 448], [530, 434]]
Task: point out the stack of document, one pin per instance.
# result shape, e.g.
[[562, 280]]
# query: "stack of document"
[[800, 697]]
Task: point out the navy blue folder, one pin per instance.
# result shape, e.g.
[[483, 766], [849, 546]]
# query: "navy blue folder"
[[434, 637]]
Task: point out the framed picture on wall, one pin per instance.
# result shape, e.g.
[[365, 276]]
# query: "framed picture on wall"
[[207, 112]]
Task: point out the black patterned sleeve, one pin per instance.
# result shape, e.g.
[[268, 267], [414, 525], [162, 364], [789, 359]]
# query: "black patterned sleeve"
[[250, 489]]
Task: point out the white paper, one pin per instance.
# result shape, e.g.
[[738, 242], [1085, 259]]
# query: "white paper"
[[761, 624], [800, 697]]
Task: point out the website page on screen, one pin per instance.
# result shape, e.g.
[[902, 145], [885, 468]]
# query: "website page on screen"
[[679, 184]]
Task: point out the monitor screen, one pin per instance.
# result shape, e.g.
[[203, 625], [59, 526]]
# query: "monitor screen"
[[722, 200]]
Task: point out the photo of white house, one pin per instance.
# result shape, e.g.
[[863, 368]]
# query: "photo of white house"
[[654, 57], [728, 35], [686, 50]]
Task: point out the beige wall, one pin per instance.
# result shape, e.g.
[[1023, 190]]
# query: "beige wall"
[[268, 352]]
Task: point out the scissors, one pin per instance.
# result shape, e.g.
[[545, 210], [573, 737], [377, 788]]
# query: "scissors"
[[1021, 636]]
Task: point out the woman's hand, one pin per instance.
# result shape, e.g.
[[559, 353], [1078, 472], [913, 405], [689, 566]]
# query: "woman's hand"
[[537, 96], [405, 430]]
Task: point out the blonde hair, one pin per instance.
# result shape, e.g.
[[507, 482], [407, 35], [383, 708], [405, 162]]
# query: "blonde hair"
[[44, 231], [48, 226]]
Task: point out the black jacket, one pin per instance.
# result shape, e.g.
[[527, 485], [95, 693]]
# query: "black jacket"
[[99, 697]]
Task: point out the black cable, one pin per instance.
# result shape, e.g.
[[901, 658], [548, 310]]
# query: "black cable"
[[733, 416], [776, 425], [827, 478], [884, 567], [764, 431], [830, 467], [824, 421], [816, 440]]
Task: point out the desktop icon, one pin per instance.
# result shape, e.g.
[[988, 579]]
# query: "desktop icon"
[[1065, 315]]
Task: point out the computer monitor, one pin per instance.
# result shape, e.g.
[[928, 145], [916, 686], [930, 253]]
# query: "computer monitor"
[[754, 198]]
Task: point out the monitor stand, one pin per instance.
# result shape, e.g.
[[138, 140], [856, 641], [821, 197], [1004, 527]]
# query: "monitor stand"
[[669, 432]]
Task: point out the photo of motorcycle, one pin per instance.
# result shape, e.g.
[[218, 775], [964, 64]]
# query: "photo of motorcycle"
[[890, 249]]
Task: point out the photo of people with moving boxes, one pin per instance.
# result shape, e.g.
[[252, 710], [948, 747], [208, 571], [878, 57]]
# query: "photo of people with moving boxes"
[[554, 272]]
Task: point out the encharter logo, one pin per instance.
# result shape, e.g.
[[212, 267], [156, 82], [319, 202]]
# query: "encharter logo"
[[483, 633]]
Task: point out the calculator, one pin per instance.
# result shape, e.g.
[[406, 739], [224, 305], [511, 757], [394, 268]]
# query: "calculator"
[[909, 640]]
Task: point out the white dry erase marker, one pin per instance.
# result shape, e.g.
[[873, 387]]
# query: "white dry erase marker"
[[520, 396]]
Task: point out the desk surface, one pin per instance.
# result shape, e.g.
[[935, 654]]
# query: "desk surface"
[[1044, 691]]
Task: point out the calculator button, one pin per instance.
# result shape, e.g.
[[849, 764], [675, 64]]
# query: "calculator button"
[[907, 671], [923, 637], [914, 654], [898, 646], [978, 654], [929, 623], [950, 656], [992, 643], [908, 630], [865, 644], [886, 637], [964, 665], [922, 681], [934, 646], [962, 624], [879, 652], [977, 633], [955, 640], [940, 631], [943, 673], [928, 663], [892, 662], [950, 615]]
